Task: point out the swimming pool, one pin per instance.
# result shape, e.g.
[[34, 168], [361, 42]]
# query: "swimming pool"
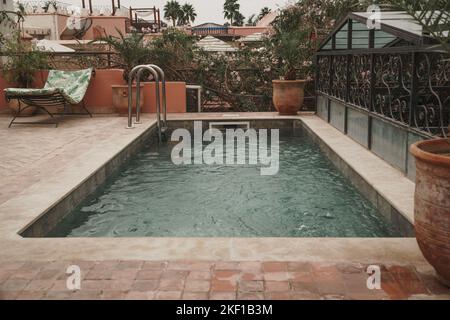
[[152, 197]]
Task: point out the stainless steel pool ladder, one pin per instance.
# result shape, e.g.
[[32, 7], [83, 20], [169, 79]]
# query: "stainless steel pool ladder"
[[158, 75]]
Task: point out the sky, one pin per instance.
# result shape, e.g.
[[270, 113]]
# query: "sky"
[[207, 10]]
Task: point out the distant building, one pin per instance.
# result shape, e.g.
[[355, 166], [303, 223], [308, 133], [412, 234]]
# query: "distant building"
[[7, 5]]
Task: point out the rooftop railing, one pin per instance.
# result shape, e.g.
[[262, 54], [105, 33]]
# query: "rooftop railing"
[[409, 86]]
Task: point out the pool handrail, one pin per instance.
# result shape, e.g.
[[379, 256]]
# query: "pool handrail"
[[137, 72]]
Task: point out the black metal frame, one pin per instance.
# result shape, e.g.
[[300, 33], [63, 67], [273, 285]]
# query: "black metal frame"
[[408, 86], [42, 102]]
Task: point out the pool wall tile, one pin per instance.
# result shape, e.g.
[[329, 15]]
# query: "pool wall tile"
[[389, 143], [337, 115], [322, 107], [357, 125]]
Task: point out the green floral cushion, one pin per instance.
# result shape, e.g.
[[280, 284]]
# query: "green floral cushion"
[[71, 84]]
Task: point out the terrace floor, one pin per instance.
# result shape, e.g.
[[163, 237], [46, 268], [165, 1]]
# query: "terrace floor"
[[41, 163]]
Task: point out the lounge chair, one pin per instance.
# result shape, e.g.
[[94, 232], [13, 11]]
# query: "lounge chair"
[[62, 89]]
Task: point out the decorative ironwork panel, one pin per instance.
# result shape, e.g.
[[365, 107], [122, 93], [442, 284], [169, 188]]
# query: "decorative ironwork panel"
[[339, 77], [406, 87], [392, 90], [359, 91], [324, 71], [433, 97]]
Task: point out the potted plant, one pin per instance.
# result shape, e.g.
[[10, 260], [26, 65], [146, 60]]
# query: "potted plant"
[[432, 203], [131, 51], [291, 48], [20, 68]]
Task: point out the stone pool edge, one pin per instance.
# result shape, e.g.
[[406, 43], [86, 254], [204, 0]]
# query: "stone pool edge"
[[349, 249]]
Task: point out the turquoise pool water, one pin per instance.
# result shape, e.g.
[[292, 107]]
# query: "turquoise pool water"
[[152, 197]]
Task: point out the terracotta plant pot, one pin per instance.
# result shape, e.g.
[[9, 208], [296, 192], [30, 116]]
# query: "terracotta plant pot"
[[120, 98], [288, 96], [27, 112], [432, 203]]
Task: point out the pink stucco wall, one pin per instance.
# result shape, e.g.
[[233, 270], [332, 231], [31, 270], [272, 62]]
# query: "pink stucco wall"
[[99, 95], [246, 31], [176, 97]]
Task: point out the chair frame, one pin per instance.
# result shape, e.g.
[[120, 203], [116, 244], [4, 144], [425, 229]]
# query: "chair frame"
[[43, 102]]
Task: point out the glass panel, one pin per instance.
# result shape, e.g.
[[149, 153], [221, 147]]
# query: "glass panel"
[[360, 36], [327, 46], [382, 38], [341, 38]]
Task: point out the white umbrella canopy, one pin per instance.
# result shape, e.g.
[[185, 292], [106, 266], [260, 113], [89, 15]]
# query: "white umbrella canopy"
[[52, 46], [255, 37], [213, 44]]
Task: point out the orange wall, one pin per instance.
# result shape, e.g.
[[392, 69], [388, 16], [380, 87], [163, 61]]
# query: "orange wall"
[[246, 31], [98, 98], [176, 97]]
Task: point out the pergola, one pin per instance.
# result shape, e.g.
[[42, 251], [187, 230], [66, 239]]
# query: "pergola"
[[113, 3]]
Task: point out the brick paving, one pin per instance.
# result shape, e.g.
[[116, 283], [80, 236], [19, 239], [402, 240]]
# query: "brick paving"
[[194, 280]]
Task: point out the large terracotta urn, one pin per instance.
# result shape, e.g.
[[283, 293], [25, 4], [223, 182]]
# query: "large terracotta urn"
[[120, 98], [288, 96], [432, 203]]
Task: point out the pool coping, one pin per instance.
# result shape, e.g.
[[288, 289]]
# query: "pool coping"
[[21, 211]]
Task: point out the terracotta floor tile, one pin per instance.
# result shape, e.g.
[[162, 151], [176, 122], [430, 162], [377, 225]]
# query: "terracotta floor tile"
[[195, 296], [299, 267], [251, 286], [222, 286], [174, 275], [226, 275], [222, 296], [197, 285], [304, 286], [277, 276], [250, 275], [171, 285], [31, 295], [250, 296], [154, 265], [226, 265], [144, 285], [168, 295], [277, 286], [199, 275], [278, 295], [130, 265], [250, 266], [275, 266], [113, 295], [14, 285], [136, 295], [39, 285], [149, 274], [124, 274]]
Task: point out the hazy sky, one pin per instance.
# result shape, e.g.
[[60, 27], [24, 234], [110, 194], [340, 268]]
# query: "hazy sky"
[[207, 10]]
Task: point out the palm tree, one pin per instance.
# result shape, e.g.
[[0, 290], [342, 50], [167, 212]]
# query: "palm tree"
[[432, 15], [188, 13], [172, 11], [239, 19], [251, 21], [231, 10], [264, 12], [131, 49]]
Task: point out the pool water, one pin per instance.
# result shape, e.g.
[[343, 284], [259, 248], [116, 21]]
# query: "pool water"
[[152, 197]]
